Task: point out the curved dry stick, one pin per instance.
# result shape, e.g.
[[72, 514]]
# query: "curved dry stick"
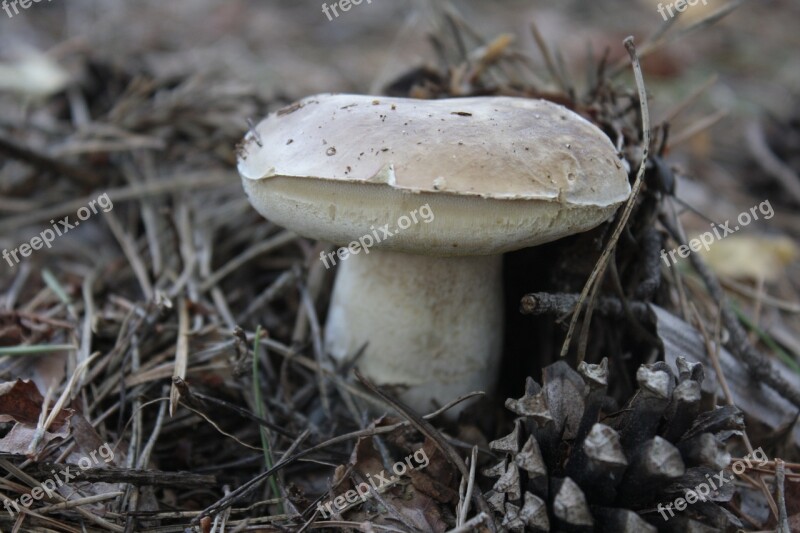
[[602, 263]]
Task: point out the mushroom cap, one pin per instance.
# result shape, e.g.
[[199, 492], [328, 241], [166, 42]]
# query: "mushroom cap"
[[495, 174]]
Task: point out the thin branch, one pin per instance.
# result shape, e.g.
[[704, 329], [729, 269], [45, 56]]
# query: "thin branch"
[[599, 269]]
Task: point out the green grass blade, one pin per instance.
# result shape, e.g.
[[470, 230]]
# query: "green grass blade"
[[259, 404]]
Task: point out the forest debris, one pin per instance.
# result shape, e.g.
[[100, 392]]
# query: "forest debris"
[[758, 401], [21, 402]]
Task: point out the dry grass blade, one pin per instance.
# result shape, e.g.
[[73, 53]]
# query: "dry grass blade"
[[129, 248], [713, 350], [79, 501], [780, 480], [463, 504], [270, 244], [548, 58], [40, 425], [344, 524], [181, 354], [698, 127], [480, 519], [319, 354], [74, 383]]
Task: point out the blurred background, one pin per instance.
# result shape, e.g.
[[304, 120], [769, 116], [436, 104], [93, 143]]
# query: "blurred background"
[[284, 50]]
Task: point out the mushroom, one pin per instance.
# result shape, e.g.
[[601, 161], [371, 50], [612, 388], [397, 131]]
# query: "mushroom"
[[456, 182]]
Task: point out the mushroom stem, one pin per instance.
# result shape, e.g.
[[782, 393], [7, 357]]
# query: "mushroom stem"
[[432, 325]]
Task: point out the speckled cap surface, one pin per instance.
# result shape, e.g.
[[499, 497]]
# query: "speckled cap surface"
[[498, 173]]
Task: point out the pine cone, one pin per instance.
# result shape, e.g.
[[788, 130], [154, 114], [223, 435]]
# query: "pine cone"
[[566, 468]]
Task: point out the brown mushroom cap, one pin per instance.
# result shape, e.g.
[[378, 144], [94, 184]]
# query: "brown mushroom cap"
[[499, 173]]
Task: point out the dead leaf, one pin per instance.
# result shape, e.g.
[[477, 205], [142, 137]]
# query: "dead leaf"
[[21, 402], [18, 440], [416, 495]]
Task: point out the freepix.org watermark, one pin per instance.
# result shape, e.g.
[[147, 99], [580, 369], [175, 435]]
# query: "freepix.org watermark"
[[8, 5], [343, 5], [680, 6], [376, 482], [705, 240], [59, 479], [46, 237], [366, 242], [703, 490]]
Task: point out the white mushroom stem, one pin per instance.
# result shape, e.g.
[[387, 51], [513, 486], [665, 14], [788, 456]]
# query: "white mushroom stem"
[[432, 325]]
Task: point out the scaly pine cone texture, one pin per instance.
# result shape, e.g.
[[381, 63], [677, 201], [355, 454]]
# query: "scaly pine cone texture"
[[569, 465]]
